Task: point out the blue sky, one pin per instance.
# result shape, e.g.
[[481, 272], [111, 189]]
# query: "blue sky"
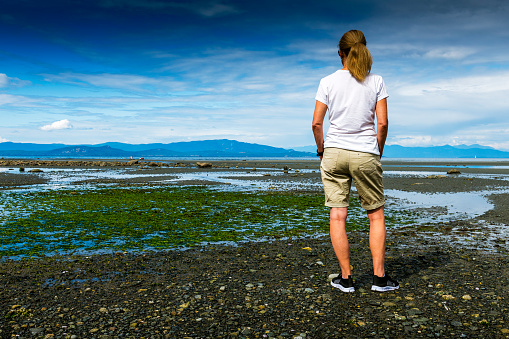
[[142, 71]]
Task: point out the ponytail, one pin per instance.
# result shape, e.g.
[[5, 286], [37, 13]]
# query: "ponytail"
[[358, 58]]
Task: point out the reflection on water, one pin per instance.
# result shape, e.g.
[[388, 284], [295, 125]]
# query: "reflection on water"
[[443, 206], [446, 206], [445, 166]]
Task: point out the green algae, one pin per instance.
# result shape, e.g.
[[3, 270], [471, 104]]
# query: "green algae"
[[41, 223]]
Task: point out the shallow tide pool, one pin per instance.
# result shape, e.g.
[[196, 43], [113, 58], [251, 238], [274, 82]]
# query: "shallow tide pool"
[[61, 216]]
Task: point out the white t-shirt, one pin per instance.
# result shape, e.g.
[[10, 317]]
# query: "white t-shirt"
[[351, 105]]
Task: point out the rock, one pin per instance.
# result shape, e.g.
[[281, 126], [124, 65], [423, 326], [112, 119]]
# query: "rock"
[[420, 320], [414, 311], [309, 290], [466, 297], [103, 310], [153, 164], [456, 324], [36, 330], [133, 162], [203, 164], [36, 170], [448, 297], [453, 171], [22, 169], [388, 304], [505, 331], [332, 276]]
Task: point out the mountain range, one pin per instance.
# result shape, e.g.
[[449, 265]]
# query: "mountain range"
[[227, 148], [205, 148]]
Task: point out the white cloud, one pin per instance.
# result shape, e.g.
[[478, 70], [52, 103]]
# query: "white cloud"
[[467, 85], [411, 140], [17, 101], [6, 99], [3, 139], [61, 124], [216, 9], [130, 82], [6, 81], [450, 53]]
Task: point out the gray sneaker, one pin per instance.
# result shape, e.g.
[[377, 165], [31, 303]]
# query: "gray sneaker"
[[345, 285], [384, 284]]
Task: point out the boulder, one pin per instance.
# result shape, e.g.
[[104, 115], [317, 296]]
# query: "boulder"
[[453, 171], [203, 164]]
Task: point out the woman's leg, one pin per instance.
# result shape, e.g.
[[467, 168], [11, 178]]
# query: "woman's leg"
[[339, 238], [377, 236]]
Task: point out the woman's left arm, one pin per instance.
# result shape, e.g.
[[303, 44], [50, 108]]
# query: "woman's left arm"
[[382, 122], [318, 116]]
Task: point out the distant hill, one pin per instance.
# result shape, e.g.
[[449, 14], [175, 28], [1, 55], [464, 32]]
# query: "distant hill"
[[461, 151], [205, 148], [227, 148], [447, 151]]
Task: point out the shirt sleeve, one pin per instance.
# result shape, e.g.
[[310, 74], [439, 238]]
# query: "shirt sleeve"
[[321, 94], [381, 90]]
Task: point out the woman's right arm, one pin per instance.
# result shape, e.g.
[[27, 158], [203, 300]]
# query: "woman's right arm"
[[318, 116]]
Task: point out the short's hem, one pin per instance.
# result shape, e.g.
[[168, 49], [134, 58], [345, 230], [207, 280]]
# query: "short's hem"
[[373, 206], [328, 204]]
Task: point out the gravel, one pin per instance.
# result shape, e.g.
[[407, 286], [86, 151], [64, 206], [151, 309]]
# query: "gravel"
[[259, 290]]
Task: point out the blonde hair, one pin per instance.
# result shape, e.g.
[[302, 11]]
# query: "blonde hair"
[[358, 58]]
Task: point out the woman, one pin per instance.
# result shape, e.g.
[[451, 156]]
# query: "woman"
[[352, 151]]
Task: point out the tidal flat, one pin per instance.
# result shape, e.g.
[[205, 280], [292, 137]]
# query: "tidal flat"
[[103, 249]]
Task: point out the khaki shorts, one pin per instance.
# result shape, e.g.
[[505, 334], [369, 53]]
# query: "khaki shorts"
[[340, 166]]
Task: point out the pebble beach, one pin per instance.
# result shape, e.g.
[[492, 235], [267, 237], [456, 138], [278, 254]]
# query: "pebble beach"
[[453, 270]]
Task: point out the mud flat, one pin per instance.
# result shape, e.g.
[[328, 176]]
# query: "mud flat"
[[276, 289], [454, 274], [490, 178]]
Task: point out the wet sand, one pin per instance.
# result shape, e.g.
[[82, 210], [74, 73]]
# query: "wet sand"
[[454, 276], [471, 179]]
